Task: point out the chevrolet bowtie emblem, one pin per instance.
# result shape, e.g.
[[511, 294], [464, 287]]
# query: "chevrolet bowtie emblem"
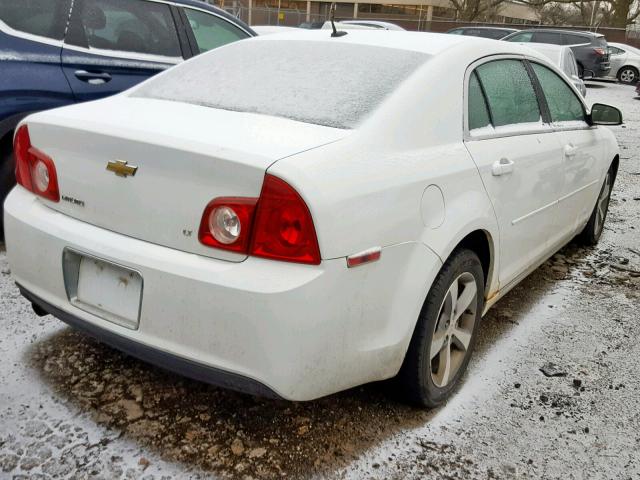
[[121, 169]]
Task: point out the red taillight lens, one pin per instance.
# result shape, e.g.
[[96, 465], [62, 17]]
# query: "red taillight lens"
[[278, 225], [226, 223], [35, 170], [600, 51], [283, 227]]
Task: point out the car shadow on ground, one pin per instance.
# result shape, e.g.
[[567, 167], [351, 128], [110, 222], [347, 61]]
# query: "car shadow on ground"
[[230, 433]]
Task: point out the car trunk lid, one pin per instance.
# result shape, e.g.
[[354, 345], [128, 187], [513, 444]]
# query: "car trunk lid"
[[185, 155]]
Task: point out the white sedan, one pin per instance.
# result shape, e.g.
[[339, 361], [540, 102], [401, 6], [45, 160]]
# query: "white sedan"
[[296, 214]]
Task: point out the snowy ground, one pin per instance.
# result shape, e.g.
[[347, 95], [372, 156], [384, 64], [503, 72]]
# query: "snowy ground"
[[72, 408]]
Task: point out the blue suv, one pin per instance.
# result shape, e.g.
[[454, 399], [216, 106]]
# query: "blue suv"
[[58, 52]]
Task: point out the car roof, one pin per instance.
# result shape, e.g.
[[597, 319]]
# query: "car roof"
[[551, 51], [424, 42]]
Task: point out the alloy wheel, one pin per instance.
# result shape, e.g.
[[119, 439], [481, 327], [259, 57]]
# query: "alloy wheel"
[[628, 75], [453, 330], [602, 205]]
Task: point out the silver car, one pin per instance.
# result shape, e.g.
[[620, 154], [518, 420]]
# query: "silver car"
[[625, 62]]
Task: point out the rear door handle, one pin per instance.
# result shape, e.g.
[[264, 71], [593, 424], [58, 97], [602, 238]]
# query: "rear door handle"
[[502, 167], [570, 150], [94, 78]]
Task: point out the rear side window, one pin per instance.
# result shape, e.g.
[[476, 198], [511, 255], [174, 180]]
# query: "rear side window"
[[563, 103], [570, 39], [509, 91], [478, 111], [45, 18], [211, 31], [548, 37], [130, 26]]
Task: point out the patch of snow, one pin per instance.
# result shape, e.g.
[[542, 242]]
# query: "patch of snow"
[[330, 84]]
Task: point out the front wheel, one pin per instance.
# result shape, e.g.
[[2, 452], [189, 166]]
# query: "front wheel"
[[593, 230], [445, 334], [628, 75]]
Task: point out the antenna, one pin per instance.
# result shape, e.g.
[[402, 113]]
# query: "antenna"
[[332, 17]]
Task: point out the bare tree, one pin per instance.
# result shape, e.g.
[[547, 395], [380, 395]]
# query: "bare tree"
[[609, 13], [471, 10]]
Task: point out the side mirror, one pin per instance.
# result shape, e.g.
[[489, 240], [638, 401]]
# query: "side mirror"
[[605, 115], [588, 75]]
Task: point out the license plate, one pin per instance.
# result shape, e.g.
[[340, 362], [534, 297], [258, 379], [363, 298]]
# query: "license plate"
[[100, 287]]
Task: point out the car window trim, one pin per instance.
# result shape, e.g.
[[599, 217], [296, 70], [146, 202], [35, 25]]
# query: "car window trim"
[[74, 25], [467, 137], [183, 32], [558, 126]]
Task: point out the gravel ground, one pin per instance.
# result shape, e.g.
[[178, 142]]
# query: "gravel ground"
[[73, 408]]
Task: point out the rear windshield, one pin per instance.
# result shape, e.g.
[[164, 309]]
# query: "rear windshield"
[[332, 84]]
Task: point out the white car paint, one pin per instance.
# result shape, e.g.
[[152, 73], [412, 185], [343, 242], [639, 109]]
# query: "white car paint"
[[623, 56], [303, 330], [564, 59]]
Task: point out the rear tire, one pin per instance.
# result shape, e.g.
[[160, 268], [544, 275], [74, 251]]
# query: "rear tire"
[[594, 227], [445, 334], [628, 75], [7, 174]]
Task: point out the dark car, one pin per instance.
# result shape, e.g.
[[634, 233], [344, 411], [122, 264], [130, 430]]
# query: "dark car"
[[590, 49], [53, 55], [494, 33]]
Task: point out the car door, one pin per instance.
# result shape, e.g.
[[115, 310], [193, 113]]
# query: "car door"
[[617, 59], [518, 158], [581, 150], [207, 30], [114, 44]]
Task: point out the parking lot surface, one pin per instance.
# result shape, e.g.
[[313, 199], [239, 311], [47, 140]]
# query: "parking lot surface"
[[73, 408]]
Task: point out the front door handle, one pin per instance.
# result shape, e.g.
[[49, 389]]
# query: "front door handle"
[[94, 78], [570, 150], [502, 167]]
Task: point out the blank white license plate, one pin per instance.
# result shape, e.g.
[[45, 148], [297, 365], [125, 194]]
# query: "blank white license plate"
[[109, 291]]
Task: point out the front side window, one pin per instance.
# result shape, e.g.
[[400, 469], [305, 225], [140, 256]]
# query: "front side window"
[[509, 92], [130, 26], [570, 39], [563, 103], [44, 18], [211, 31]]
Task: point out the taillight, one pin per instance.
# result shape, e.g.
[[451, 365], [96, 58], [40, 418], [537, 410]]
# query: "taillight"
[[35, 170], [284, 228], [226, 223], [600, 51], [278, 225]]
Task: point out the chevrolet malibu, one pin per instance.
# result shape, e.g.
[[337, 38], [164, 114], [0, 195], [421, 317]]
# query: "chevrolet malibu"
[[297, 214]]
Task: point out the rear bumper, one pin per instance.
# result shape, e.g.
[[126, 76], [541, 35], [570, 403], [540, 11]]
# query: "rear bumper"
[[264, 327], [182, 366]]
